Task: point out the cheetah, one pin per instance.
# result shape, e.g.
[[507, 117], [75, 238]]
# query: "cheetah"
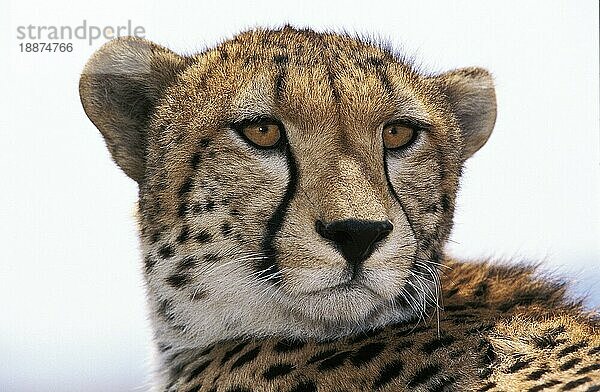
[[296, 190]]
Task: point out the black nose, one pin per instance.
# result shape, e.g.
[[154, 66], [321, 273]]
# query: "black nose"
[[356, 239]]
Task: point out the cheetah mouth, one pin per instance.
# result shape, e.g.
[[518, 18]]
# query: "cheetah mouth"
[[350, 285], [382, 283]]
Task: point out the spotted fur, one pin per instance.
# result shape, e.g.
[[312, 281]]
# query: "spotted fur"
[[245, 294]]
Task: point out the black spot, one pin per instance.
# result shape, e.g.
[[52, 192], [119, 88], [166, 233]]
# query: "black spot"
[[186, 187], [593, 388], [388, 373], [203, 236], [149, 263], [187, 263], [375, 61], [433, 208], [425, 244], [455, 308], [487, 387], [335, 361], [155, 237], [571, 349], [334, 91], [233, 351], [489, 355], [280, 83], [481, 343], [436, 257], [575, 383], [543, 386], [197, 371], [277, 371], [457, 353], [569, 364], [209, 206], [184, 234], [204, 142], [248, 357], [198, 295], [206, 351], [451, 292], [211, 257], [594, 350], [438, 343], [280, 59], [178, 280], [281, 62], [445, 202], [234, 212], [182, 210], [403, 345], [284, 346], [367, 353], [424, 374], [195, 161], [226, 229], [518, 365], [484, 373], [197, 208], [166, 251], [536, 374], [589, 368], [162, 347], [481, 289], [320, 356], [305, 386]]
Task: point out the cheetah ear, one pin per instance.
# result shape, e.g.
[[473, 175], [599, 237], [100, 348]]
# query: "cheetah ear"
[[119, 89], [471, 94]]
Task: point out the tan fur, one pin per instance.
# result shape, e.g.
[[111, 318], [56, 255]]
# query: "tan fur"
[[234, 262]]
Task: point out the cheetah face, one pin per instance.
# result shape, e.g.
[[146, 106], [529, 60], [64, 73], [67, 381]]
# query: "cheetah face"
[[290, 182]]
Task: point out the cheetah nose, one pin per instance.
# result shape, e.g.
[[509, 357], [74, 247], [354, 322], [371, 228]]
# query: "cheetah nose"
[[356, 239]]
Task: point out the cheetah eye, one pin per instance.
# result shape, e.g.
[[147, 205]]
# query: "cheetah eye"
[[396, 136], [264, 135]]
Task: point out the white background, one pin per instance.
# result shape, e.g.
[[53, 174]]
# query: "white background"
[[71, 296]]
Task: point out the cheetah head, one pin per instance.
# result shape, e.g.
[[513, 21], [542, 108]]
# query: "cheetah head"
[[291, 183]]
